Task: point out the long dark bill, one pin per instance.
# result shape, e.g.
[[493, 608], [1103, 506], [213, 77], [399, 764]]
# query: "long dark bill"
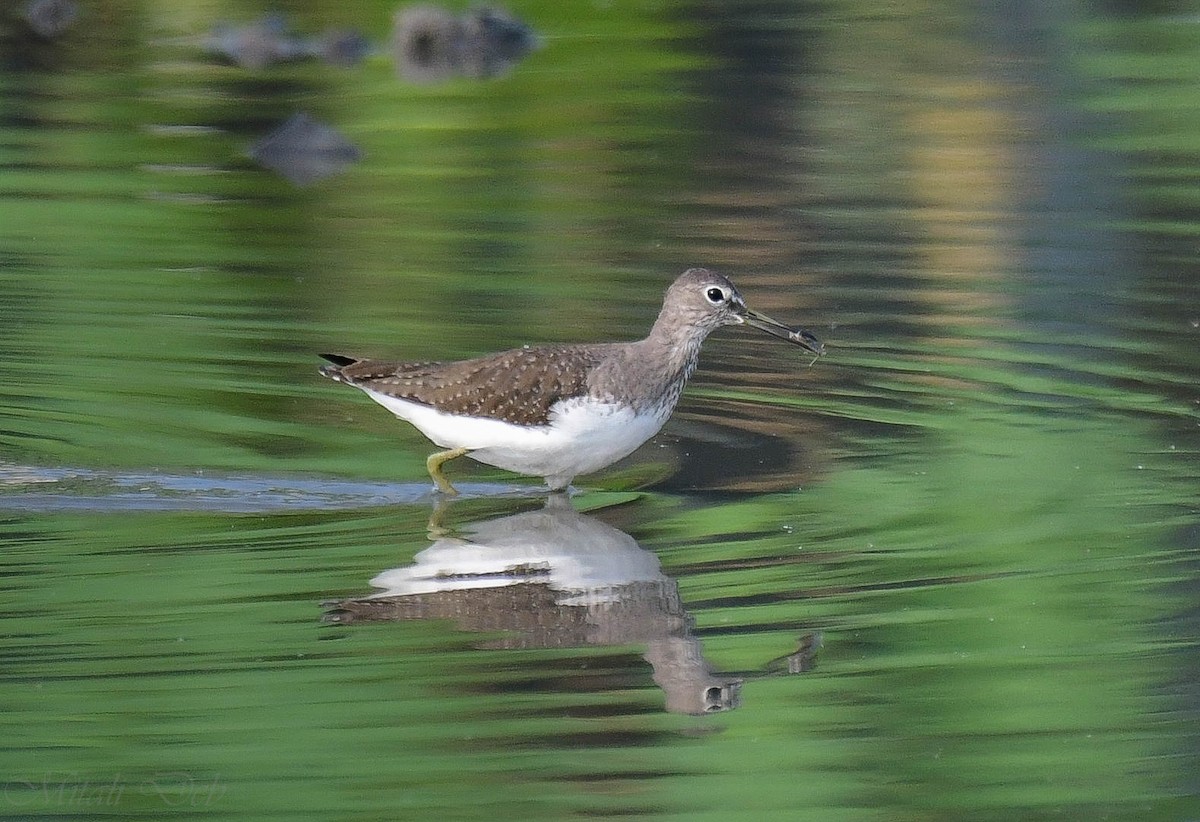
[[799, 336]]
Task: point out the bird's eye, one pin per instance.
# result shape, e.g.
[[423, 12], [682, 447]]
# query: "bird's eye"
[[715, 295]]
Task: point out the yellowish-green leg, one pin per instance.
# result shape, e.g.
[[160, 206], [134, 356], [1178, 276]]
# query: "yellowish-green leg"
[[435, 463], [437, 529]]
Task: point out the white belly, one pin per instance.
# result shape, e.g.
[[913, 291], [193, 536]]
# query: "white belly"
[[583, 436]]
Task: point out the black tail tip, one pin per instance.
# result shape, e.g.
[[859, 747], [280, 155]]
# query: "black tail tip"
[[334, 371]]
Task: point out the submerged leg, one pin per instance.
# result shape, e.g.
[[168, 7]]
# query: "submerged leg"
[[434, 464]]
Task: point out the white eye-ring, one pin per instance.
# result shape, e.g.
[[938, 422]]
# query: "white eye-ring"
[[715, 295]]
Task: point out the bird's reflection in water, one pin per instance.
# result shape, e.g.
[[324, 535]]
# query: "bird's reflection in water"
[[556, 578]]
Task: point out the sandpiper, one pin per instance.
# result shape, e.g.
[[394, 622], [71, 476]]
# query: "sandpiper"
[[559, 411]]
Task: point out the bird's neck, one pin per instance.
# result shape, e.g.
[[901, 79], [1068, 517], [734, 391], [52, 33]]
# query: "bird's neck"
[[650, 373], [674, 347]]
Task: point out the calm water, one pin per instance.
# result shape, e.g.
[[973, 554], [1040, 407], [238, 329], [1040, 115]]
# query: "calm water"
[[950, 571]]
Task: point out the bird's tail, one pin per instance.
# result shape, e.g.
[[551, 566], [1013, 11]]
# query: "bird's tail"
[[334, 372]]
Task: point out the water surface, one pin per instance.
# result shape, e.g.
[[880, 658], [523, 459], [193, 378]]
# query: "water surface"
[[948, 571]]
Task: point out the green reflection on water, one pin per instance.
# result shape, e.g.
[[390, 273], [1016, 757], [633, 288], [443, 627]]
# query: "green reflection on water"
[[986, 548], [996, 601], [983, 653]]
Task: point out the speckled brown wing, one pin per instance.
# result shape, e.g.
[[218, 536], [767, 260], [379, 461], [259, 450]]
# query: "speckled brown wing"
[[517, 386]]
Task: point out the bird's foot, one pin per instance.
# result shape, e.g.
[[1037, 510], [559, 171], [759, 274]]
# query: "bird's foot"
[[434, 465]]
